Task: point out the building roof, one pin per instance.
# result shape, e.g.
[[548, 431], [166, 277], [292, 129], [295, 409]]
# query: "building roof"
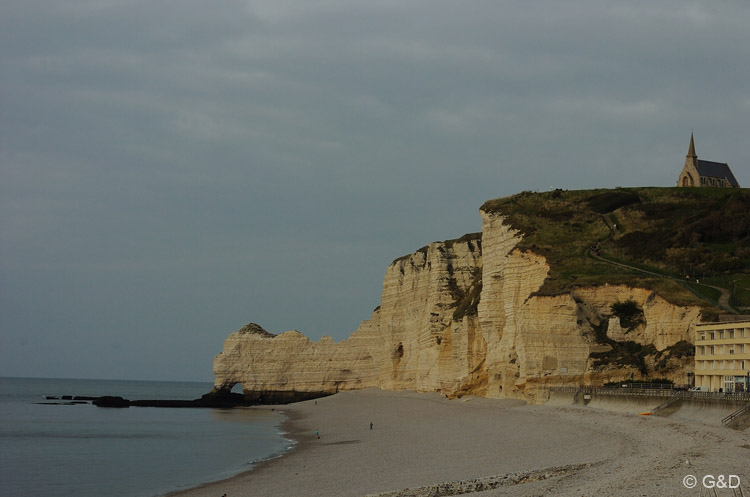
[[716, 170]]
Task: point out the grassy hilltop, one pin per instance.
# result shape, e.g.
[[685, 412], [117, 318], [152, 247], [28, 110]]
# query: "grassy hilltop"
[[669, 232]]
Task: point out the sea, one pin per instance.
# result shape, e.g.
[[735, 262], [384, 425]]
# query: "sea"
[[48, 449]]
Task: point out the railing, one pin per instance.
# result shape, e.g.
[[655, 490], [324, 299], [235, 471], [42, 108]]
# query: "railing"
[[565, 389], [736, 414], [734, 396], [633, 386], [629, 392], [654, 392], [647, 386], [674, 398]]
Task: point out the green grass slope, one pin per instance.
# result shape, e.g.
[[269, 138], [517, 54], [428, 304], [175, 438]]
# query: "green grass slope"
[[703, 233]]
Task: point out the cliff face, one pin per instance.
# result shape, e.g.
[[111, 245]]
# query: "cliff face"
[[274, 367], [463, 317], [410, 342]]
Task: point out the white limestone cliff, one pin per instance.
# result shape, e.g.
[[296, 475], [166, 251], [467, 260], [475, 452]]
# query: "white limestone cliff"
[[431, 334]]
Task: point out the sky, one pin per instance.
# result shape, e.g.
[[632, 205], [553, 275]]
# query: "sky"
[[172, 170]]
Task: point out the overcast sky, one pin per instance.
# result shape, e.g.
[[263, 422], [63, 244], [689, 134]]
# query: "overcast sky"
[[172, 170]]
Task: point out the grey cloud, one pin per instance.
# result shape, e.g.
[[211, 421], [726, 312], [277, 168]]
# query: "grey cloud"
[[172, 170]]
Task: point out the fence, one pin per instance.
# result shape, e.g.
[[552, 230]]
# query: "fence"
[[654, 392]]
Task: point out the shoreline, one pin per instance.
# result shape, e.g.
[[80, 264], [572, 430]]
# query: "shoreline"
[[482, 447], [288, 431]]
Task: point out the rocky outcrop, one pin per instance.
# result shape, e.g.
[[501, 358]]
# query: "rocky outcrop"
[[464, 317], [215, 399], [289, 366]]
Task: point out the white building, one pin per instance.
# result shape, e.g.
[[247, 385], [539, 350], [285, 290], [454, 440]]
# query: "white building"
[[722, 356]]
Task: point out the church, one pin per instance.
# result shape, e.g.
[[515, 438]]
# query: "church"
[[705, 173]]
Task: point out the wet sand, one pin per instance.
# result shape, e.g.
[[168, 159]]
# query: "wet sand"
[[420, 441]]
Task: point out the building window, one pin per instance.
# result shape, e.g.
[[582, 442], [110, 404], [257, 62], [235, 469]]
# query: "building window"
[[728, 383]]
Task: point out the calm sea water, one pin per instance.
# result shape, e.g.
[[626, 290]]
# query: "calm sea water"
[[83, 450]]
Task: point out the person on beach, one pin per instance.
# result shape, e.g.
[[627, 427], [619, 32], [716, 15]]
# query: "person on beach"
[[371, 425], [317, 434]]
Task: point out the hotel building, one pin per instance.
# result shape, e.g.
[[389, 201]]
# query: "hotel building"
[[722, 356]]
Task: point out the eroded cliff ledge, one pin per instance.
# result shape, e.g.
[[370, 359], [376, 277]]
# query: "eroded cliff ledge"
[[467, 316]]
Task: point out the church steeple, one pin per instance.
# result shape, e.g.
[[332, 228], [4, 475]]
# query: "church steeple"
[[691, 151]]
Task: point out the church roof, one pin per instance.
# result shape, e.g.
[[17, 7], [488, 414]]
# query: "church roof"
[[716, 170]]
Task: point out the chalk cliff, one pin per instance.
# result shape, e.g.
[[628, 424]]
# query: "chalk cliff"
[[465, 317]]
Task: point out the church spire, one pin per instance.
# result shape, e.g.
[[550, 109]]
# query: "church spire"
[[691, 151]]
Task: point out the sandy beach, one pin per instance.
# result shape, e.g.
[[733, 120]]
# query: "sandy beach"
[[423, 442]]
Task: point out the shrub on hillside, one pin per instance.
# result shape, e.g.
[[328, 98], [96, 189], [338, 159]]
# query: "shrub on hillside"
[[629, 312]]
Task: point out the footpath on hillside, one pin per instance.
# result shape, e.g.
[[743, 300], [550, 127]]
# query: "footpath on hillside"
[[595, 253]]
